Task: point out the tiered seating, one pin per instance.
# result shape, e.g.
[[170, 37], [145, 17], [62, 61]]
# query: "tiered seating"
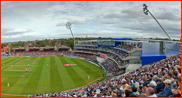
[[159, 79]]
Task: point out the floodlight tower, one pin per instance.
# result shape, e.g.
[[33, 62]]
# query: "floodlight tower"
[[146, 11], [68, 26]]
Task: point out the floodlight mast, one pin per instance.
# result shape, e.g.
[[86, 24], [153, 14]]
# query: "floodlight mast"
[[146, 11], [68, 26]]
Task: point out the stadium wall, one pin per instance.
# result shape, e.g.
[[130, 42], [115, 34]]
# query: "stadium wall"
[[178, 46], [150, 48], [148, 59], [4, 56]]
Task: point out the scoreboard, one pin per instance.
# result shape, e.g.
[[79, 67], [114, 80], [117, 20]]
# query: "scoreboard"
[[7, 49]]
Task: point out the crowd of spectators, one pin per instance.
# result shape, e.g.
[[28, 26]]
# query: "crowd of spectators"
[[116, 58], [87, 43], [86, 56], [130, 46], [121, 53], [40, 53], [113, 56], [3, 54], [111, 67], [91, 51], [159, 79]]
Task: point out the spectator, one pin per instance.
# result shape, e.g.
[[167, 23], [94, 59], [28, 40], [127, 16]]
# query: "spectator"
[[160, 86], [142, 95], [145, 81], [127, 93], [114, 95], [173, 82], [123, 93], [150, 92], [177, 92], [167, 90], [134, 93], [153, 82]]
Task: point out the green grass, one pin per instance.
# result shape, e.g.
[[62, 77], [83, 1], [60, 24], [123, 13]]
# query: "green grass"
[[41, 78]]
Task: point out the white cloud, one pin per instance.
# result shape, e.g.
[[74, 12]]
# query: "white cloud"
[[47, 19]]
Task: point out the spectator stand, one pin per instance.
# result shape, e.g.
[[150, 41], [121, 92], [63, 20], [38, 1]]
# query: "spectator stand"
[[136, 82], [18, 51]]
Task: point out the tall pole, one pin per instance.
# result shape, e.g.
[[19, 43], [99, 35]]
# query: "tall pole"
[[68, 26], [73, 38], [146, 11]]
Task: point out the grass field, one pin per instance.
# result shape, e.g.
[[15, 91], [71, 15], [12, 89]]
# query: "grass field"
[[41, 77]]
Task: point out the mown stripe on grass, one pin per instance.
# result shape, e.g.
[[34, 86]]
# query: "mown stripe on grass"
[[13, 61], [19, 67], [90, 69], [55, 80], [79, 81], [67, 82], [32, 84], [44, 82], [5, 59], [11, 80], [20, 84], [83, 71]]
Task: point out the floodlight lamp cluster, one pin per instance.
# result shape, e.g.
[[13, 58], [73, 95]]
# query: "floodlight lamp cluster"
[[145, 10], [68, 25]]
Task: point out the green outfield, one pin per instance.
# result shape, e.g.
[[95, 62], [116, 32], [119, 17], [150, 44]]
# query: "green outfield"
[[45, 74]]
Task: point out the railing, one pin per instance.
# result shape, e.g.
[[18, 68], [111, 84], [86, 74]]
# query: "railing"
[[114, 61], [105, 50]]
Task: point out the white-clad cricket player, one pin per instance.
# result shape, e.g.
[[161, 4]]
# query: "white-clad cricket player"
[[26, 70], [8, 85], [88, 77]]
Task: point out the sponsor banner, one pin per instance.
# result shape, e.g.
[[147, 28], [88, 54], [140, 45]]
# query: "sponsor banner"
[[68, 64], [103, 56], [81, 58], [4, 56], [71, 57], [27, 56]]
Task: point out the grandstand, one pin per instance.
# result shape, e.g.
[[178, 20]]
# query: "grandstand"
[[144, 81], [131, 65]]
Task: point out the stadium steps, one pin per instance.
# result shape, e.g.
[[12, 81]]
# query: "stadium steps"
[[130, 57], [135, 49], [124, 66]]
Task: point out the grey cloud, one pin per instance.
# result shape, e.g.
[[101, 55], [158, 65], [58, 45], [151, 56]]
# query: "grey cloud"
[[9, 32], [168, 16], [152, 28], [123, 17], [73, 22], [132, 14]]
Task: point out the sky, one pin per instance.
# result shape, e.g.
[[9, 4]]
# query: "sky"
[[37, 20]]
